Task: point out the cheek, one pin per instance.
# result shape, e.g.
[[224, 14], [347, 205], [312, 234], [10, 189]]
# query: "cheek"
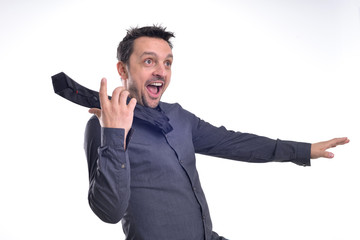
[[140, 77], [169, 79], [131, 85], [167, 85]]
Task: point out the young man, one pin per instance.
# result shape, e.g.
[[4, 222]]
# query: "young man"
[[141, 152]]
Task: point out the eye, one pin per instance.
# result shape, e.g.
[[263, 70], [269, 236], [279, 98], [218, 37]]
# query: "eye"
[[168, 63], [148, 61]]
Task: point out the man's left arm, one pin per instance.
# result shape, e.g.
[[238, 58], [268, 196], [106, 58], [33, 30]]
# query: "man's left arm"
[[220, 142]]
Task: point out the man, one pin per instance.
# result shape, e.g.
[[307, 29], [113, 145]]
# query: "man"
[[142, 168]]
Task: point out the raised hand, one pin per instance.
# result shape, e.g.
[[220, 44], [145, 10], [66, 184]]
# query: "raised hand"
[[115, 113]]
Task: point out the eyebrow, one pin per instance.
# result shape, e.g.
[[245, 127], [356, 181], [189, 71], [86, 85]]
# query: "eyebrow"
[[155, 55]]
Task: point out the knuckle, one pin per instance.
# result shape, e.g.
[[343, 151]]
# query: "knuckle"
[[116, 90], [125, 92]]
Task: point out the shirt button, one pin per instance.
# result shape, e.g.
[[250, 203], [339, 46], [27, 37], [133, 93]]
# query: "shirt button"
[[181, 162], [194, 188], [123, 165]]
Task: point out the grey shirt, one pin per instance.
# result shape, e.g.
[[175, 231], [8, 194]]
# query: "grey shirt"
[[153, 186]]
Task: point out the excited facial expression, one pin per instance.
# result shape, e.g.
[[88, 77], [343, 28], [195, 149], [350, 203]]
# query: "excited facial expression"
[[148, 73]]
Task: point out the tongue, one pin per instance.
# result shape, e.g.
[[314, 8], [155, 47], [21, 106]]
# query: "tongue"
[[152, 89]]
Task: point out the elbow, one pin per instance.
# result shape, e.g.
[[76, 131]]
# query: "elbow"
[[111, 219], [108, 212]]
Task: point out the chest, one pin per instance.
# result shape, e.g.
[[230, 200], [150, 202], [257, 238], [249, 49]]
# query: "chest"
[[155, 156]]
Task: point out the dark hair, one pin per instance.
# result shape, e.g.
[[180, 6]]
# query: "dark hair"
[[126, 46]]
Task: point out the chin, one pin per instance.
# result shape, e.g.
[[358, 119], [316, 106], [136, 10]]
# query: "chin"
[[151, 103]]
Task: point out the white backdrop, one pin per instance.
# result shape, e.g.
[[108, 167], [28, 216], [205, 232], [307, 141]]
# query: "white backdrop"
[[283, 69]]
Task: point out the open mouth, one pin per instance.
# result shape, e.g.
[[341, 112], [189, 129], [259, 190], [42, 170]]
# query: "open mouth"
[[154, 88]]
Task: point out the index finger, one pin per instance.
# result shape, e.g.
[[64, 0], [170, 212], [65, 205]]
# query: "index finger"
[[338, 141], [103, 92]]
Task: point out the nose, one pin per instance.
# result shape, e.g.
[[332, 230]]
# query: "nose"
[[160, 71]]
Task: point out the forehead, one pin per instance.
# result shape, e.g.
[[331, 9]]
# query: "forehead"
[[150, 44]]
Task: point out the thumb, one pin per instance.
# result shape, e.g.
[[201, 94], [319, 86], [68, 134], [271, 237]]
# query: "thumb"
[[328, 154], [95, 111]]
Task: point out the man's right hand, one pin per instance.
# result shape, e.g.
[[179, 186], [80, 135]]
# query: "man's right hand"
[[115, 113]]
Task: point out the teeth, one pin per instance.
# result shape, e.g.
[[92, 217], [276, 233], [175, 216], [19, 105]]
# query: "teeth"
[[156, 84]]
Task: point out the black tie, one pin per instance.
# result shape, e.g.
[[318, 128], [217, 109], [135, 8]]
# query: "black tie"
[[74, 92]]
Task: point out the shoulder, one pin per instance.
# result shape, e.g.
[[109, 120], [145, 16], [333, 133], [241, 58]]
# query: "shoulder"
[[93, 127], [93, 122], [92, 135], [172, 107], [168, 107], [176, 112]]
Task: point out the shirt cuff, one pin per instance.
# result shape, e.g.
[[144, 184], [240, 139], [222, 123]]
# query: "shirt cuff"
[[112, 137], [303, 153]]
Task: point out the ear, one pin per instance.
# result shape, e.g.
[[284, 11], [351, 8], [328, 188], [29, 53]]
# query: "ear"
[[121, 67]]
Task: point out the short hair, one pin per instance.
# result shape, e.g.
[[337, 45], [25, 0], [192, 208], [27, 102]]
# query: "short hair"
[[126, 46]]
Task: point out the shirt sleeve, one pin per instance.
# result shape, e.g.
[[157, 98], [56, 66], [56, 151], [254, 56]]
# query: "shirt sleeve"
[[109, 171], [220, 142]]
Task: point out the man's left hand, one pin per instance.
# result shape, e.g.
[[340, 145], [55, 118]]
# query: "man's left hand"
[[318, 150]]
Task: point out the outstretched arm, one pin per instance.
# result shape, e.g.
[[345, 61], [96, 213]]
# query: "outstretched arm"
[[318, 150]]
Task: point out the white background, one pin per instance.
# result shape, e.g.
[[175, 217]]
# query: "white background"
[[283, 69]]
